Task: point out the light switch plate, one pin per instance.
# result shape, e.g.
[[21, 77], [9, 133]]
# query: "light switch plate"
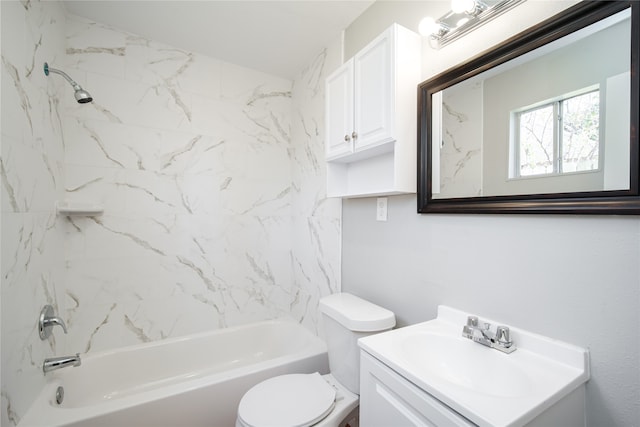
[[381, 209]]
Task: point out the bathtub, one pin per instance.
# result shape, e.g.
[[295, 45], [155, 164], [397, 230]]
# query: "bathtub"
[[191, 381]]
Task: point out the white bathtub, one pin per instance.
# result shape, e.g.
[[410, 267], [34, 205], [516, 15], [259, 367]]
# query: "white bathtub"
[[197, 380]]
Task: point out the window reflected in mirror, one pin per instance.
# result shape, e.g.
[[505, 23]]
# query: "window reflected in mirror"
[[557, 137]]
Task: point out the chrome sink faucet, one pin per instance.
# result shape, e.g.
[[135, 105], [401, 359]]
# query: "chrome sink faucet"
[[500, 340], [60, 362]]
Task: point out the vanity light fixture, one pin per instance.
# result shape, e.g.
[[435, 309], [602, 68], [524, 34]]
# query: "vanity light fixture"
[[464, 16]]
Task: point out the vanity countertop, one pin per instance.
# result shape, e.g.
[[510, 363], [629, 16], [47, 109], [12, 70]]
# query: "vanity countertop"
[[486, 386]]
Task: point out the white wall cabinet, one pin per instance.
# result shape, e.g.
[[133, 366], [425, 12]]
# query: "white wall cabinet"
[[370, 118]]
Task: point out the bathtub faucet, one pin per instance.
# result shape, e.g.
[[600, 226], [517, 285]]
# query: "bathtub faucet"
[[54, 363], [47, 321]]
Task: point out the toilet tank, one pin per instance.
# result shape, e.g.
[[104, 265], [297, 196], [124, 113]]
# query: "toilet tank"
[[346, 318]]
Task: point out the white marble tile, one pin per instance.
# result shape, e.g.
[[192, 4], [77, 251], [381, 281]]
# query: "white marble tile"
[[155, 63], [32, 276], [461, 153], [315, 258], [14, 27], [93, 47], [212, 179], [32, 263], [16, 111], [202, 77]]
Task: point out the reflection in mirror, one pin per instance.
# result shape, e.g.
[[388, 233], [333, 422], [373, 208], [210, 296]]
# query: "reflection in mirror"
[[546, 122], [552, 121]]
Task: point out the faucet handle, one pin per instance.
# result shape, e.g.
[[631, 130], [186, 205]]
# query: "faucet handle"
[[47, 321], [472, 321], [503, 336]]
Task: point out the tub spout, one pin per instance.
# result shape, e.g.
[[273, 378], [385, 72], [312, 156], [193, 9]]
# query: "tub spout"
[[54, 363]]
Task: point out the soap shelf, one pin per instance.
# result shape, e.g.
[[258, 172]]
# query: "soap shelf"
[[79, 209]]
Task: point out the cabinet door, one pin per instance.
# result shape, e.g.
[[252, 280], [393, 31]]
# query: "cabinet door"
[[374, 92], [339, 112], [387, 399]]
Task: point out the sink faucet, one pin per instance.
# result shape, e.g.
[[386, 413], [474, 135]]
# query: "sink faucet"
[[54, 363], [500, 340]]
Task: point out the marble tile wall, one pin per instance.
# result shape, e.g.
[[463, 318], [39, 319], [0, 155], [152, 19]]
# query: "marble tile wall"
[[211, 179], [461, 152], [194, 161], [31, 171], [316, 256]]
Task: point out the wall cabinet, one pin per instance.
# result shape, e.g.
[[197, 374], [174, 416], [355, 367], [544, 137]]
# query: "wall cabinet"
[[370, 118]]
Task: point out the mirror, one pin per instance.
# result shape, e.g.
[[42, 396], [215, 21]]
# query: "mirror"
[[546, 122]]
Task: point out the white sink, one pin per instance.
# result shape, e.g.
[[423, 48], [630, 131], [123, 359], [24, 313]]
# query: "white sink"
[[466, 364], [483, 384]]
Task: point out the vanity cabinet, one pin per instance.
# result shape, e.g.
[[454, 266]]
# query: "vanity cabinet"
[[388, 399], [429, 374], [370, 118]]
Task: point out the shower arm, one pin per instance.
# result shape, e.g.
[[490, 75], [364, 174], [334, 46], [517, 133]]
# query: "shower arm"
[[72, 82]]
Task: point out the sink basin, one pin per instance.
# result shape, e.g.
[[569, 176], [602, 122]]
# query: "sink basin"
[[466, 364], [488, 387]]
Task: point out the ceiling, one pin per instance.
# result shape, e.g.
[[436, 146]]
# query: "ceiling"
[[276, 37]]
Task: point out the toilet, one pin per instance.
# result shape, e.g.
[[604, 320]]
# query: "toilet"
[[300, 400]]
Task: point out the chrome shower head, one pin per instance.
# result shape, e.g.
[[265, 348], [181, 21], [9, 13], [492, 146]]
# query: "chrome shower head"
[[81, 95]]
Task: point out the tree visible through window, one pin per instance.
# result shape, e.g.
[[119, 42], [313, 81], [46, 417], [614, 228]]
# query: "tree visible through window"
[[559, 137]]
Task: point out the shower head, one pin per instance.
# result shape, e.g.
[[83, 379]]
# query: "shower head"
[[82, 96]]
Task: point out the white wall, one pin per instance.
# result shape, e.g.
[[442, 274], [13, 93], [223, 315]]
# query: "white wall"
[[573, 278]]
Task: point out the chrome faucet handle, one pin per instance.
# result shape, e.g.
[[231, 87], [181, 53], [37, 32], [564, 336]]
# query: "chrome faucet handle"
[[472, 321], [503, 336], [47, 321]]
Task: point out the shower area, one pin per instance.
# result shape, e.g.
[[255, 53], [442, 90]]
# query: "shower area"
[[208, 177]]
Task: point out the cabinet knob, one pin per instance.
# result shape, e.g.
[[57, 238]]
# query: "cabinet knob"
[[347, 138], [354, 135]]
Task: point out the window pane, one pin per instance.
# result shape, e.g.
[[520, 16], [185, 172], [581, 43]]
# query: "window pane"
[[536, 141], [581, 132]]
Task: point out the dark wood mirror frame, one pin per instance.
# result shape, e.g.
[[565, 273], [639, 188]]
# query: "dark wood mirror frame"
[[625, 202]]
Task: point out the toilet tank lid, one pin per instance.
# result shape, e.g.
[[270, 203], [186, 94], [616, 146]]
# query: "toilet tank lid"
[[357, 314]]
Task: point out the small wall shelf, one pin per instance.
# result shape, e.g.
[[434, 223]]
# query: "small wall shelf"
[[68, 208]]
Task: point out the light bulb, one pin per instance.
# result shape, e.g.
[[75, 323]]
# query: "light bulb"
[[428, 26], [463, 6]]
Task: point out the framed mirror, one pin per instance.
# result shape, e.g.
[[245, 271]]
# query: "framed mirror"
[[546, 122]]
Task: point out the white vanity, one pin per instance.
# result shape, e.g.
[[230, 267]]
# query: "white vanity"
[[430, 375]]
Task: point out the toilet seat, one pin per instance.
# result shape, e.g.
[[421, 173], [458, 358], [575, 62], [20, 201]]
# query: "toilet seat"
[[295, 400]]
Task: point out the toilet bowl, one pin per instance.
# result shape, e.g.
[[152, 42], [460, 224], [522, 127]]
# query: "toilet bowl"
[[300, 400]]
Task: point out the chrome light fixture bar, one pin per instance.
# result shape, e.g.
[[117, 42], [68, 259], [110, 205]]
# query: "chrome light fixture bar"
[[462, 20]]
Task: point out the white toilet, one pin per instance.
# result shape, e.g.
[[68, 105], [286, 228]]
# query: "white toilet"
[[300, 400]]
